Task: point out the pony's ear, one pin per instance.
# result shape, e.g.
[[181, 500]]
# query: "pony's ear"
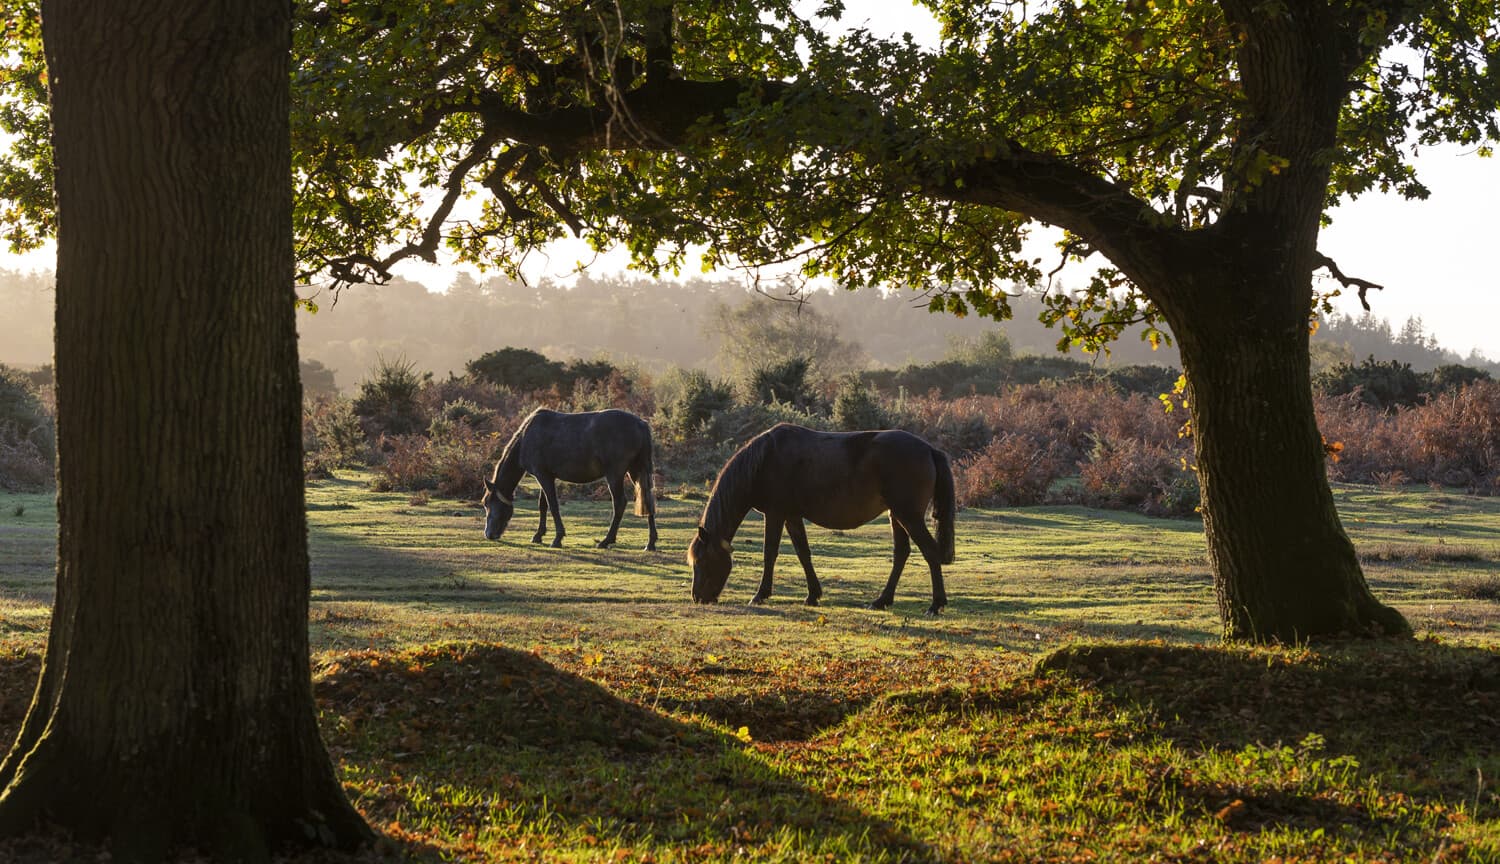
[[702, 535]]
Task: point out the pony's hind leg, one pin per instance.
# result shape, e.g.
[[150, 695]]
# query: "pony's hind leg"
[[617, 497], [916, 526], [772, 549], [798, 532], [899, 553]]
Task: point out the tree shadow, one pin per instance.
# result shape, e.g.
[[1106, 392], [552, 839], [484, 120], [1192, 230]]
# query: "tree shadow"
[[528, 744], [1423, 716]]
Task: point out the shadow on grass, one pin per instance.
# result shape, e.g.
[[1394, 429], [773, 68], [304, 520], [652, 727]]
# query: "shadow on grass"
[[1424, 716], [520, 754]]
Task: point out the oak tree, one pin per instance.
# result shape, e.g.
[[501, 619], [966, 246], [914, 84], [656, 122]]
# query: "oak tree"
[[175, 703]]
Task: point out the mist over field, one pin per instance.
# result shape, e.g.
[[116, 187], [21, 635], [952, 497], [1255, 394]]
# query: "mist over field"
[[654, 325]]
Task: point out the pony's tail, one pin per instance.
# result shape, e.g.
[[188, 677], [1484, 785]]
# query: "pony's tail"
[[944, 505], [645, 499]]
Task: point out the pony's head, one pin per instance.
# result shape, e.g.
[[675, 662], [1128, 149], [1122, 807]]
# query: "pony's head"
[[711, 558], [497, 511]]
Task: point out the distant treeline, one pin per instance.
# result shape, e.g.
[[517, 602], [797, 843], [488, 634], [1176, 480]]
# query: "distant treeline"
[[654, 325]]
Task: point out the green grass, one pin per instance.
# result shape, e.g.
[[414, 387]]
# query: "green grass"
[[508, 701]]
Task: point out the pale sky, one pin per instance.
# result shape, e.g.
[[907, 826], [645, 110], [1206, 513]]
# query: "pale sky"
[[1437, 258]]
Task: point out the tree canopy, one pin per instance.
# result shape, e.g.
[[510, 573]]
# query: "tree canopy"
[[760, 133]]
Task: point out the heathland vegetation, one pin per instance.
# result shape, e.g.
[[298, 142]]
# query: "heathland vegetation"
[[439, 381]]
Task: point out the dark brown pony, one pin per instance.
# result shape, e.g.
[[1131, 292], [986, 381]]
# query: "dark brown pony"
[[578, 448], [833, 479]]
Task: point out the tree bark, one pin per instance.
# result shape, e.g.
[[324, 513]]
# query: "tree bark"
[[175, 704], [1284, 569]]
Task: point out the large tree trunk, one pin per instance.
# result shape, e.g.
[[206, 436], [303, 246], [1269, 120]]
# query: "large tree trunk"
[[175, 705], [1283, 567]]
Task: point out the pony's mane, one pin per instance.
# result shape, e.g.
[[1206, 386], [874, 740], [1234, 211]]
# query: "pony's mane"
[[728, 502], [512, 449]]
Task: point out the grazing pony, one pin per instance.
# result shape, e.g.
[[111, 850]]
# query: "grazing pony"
[[833, 479], [578, 448]]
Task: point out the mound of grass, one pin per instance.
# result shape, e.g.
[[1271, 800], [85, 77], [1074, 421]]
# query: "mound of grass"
[[1426, 553], [1478, 587]]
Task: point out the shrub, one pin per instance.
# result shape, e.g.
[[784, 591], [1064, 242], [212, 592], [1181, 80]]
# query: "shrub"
[[592, 371], [460, 458], [784, 382], [1147, 380], [697, 398], [317, 380], [1138, 474], [1457, 437], [460, 412], [331, 437], [617, 390], [23, 465], [1383, 385], [388, 401], [519, 369], [855, 406], [1013, 470], [27, 436], [1453, 376], [408, 464]]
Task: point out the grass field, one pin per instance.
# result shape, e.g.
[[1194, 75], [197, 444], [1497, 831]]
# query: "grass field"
[[508, 701]]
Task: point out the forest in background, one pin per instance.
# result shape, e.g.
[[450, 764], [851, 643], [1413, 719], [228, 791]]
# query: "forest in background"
[[634, 321]]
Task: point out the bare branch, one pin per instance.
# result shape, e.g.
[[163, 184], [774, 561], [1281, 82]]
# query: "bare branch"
[[1321, 260]]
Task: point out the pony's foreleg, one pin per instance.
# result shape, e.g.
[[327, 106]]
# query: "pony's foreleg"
[[549, 493], [541, 528], [617, 497], [798, 533], [899, 554], [772, 549]]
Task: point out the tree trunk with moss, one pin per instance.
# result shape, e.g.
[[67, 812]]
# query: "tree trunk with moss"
[[175, 704]]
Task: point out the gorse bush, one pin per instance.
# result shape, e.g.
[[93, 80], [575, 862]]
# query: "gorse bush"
[[693, 404], [517, 368], [388, 400], [784, 382], [856, 407], [331, 437], [1392, 384]]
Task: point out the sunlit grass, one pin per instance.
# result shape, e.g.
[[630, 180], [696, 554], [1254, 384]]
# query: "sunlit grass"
[[506, 701]]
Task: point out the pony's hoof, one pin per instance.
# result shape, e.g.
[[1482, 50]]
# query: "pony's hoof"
[[933, 611], [650, 547], [557, 544], [880, 604], [603, 544], [759, 599], [536, 538], [811, 601]]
